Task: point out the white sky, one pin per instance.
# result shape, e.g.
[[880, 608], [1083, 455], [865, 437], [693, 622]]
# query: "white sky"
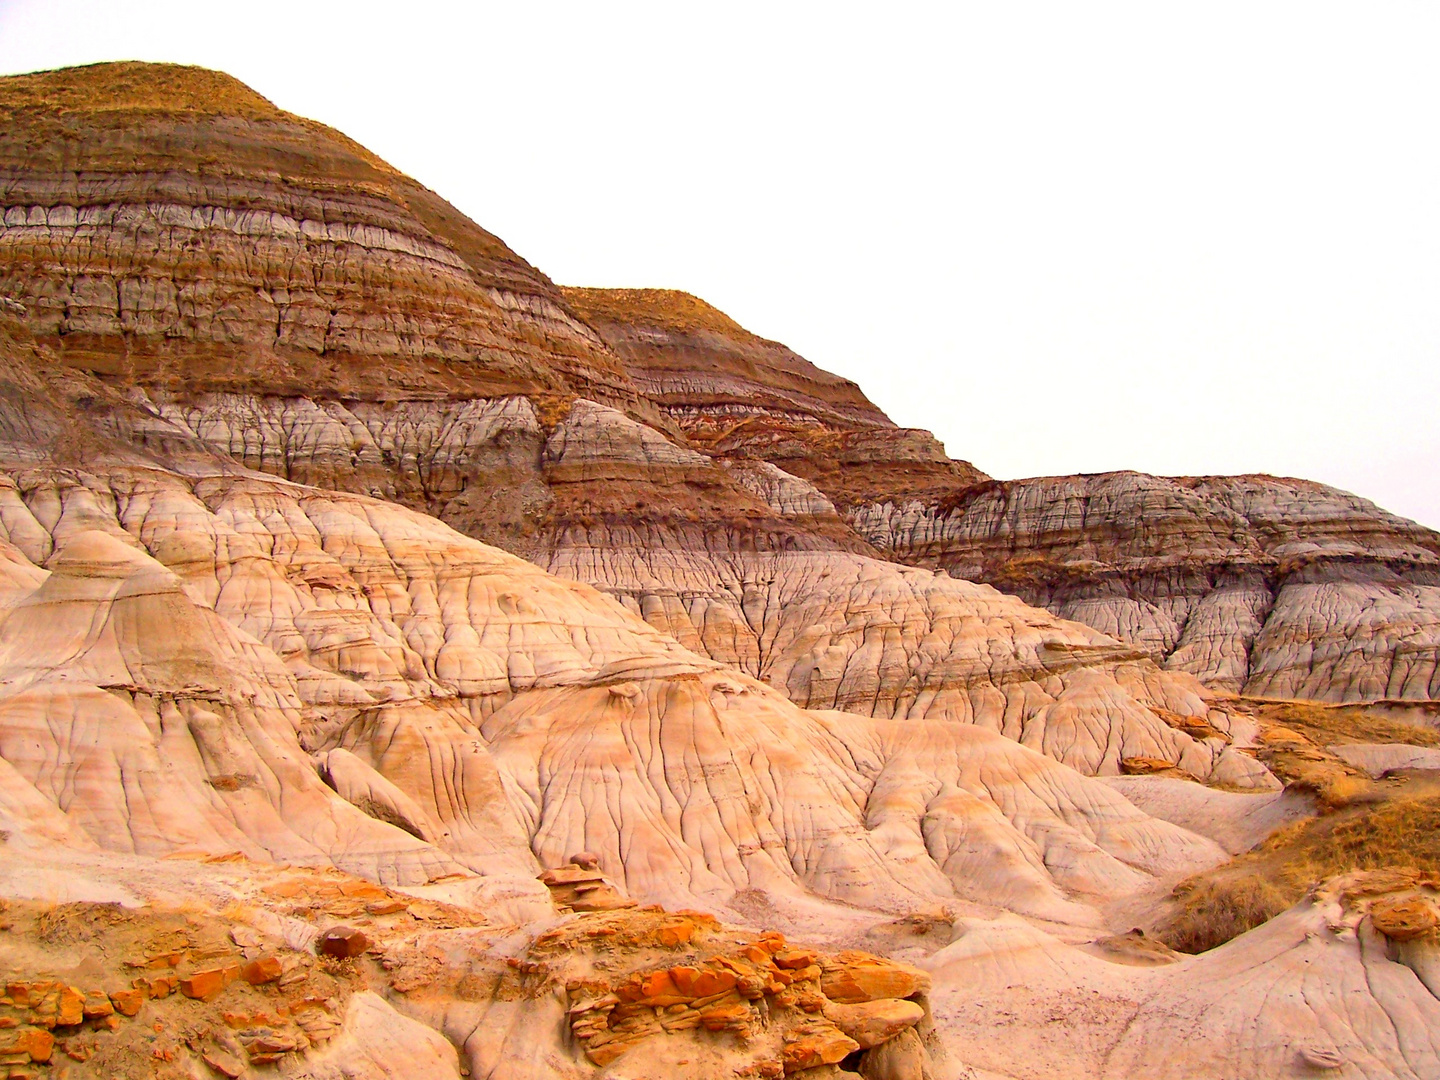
[[1067, 237]]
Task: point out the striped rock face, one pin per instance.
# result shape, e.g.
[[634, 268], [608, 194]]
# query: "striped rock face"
[[174, 216], [1258, 585]]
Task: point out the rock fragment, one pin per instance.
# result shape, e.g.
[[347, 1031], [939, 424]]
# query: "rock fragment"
[[343, 942]]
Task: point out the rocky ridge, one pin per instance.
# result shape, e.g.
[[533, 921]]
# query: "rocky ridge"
[[1271, 587], [220, 242], [1253, 584]]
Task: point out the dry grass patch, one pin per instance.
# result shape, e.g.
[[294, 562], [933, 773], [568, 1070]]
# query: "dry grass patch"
[[667, 309], [1344, 724], [135, 85], [1399, 831], [1213, 912]]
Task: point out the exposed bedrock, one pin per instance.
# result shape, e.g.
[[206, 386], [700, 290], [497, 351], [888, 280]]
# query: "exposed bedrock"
[[1321, 990], [730, 575], [198, 657], [212, 650], [684, 354], [316, 314], [739, 396], [265, 407], [1268, 586], [476, 464], [169, 225]]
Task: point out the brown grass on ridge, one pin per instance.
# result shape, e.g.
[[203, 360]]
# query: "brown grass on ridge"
[[668, 309], [1401, 831]]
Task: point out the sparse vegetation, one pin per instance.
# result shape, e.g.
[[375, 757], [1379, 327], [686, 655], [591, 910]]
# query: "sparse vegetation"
[[1332, 724], [1214, 911], [667, 309], [132, 85], [1400, 831]]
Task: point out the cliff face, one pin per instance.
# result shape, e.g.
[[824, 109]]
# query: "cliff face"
[[196, 657], [294, 302], [170, 226], [695, 361], [1262, 585], [1277, 587], [738, 396]]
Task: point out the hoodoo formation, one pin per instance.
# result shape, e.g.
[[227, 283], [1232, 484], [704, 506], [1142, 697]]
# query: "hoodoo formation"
[[411, 667]]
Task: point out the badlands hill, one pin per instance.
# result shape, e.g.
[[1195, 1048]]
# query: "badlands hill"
[[354, 577]]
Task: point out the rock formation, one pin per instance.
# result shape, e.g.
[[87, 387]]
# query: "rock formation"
[[1015, 993], [295, 761], [1271, 587]]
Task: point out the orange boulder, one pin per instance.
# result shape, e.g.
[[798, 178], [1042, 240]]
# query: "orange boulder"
[[873, 1022], [827, 1046], [861, 977]]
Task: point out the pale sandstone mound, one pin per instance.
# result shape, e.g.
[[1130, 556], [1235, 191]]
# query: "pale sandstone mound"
[[468, 710], [787, 495], [1320, 990], [155, 725], [1377, 759], [1276, 587], [830, 628], [377, 1043], [1235, 821], [651, 778], [839, 631], [598, 443]]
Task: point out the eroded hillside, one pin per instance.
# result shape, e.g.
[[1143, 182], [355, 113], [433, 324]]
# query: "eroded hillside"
[[300, 767]]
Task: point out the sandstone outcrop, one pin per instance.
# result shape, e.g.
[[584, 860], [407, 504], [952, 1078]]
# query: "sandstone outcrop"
[[779, 1014], [377, 1043], [159, 995], [581, 886]]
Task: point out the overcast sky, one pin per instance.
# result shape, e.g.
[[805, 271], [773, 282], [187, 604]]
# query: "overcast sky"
[[1067, 237]]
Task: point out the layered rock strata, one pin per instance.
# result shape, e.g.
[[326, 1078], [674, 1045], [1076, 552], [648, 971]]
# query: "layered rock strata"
[[753, 580], [170, 225], [220, 660], [1268, 587], [736, 395], [1271, 587]]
